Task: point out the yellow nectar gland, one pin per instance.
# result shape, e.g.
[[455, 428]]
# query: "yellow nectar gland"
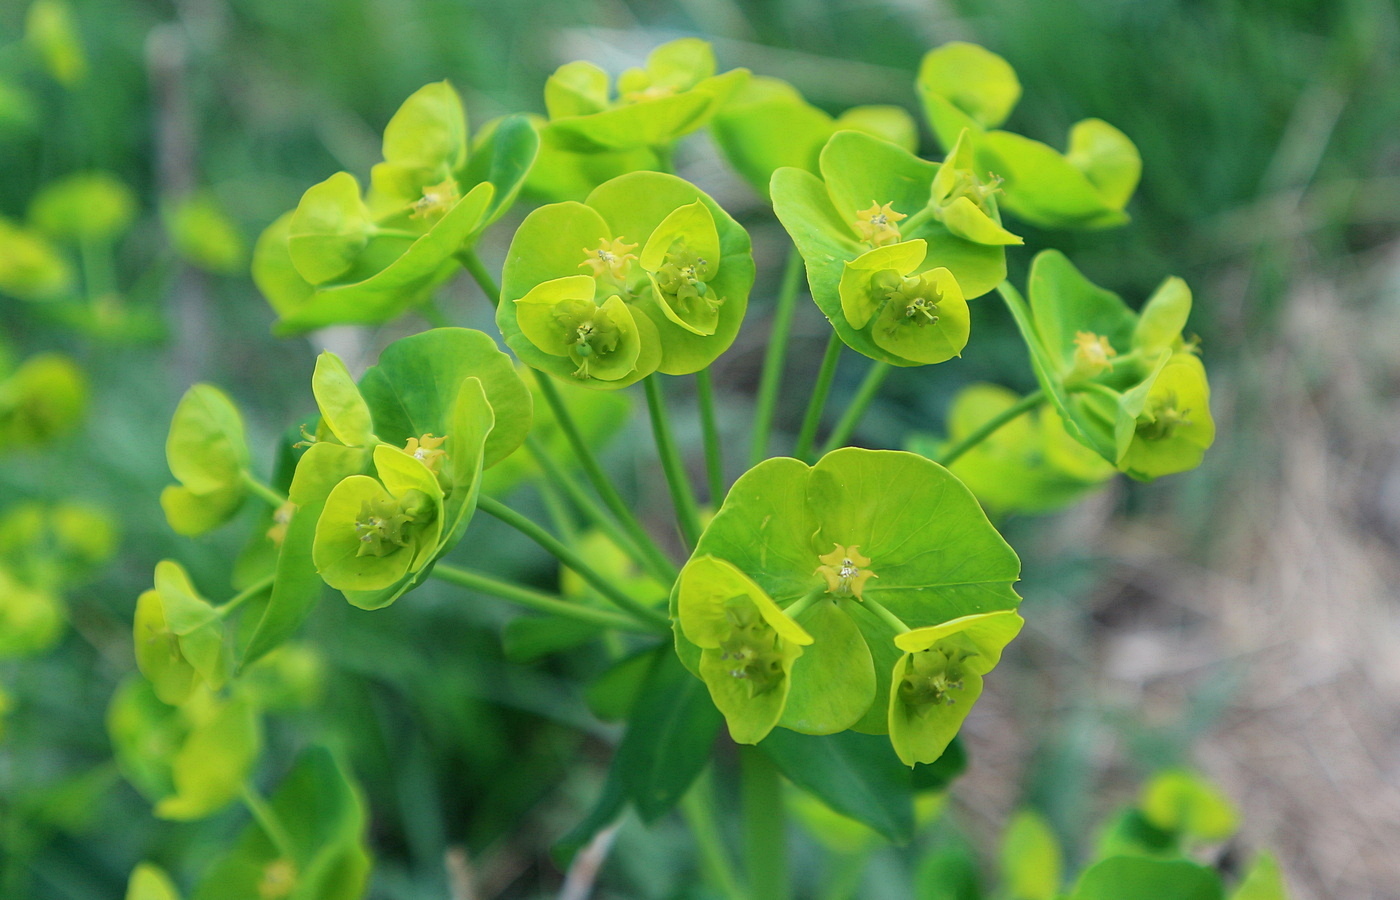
[[279, 879], [930, 679], [281, 518], [845, 571], [1162, 418], [436, 200], [611, 259], [425, 450], [878, 225], [1092, 353]]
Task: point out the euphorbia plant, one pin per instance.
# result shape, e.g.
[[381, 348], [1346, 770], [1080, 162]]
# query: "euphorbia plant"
[[837, 611]]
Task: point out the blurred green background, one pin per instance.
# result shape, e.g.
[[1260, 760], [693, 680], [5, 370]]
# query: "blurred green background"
[[1240, 619]]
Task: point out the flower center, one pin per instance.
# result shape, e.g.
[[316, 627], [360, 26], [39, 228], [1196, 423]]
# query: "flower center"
[[1163, 419], [752, 648], [877, 226], [846, 571], [427, 450], [930, 679], [437, 199]]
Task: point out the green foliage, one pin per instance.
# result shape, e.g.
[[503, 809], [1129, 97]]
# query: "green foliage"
[[1184, 803], [578, 303], [52, 35], [89, 206], [202, 232], [968, 91], [208, 454], [43, 399], [933, 559], [1031, 859]]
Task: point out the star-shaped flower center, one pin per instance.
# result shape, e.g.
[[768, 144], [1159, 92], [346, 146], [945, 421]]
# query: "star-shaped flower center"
[[610, 259], [845, 570], [437, 199], [878, 225], [1092, 353], [426, 449]]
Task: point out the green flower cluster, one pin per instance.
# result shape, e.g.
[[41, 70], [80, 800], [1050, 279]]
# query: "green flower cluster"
[[648, 275], [815, 603]]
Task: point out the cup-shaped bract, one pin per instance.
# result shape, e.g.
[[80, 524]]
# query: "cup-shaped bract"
[[917, 317], [966, 203], [150, 882], [202, 232], [767, 124], [830, 543], [1164, 425], [191, 760], [31, 268], [341, 257], [677, 92], [178, 637], [207, 453], [324, 818], [344, 411], [31, 617], [875, 196], [648, 275], [939, 677], [374, 532], [88, 206], [747, 644], [966, 88], [1073, 331], [1028, 465], [44, 398]]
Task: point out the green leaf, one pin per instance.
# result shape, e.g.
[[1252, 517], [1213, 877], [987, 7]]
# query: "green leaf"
[[1164, 424], [50, 30], [202, 232], [1263, 881], [1163, 318], [91, 206], [343, 410], [145, 735], [325, 820], [428, 131], [1031, 861], [823, 705], [297, 585], [856, 775], [1182, 802], [949, 873], [31, 268], [212, 763], [1138, 878], [392, 273], [963, 84], [576, 89], [888, 123], [149, 882], [503, 158], [1065, 303], [614, 693], [329, 229], [671, 727], [767, 125], [1043, 187], [206, 448], [413, 389], [31, 620], [1107, 158]]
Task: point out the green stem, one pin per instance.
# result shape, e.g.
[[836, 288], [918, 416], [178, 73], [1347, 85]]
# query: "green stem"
[[699, 810], [889, 618], [472, 263], [98, 277], [764, 826], [538, 601], [558, 512], [568, 557], [989, 427], [869, 387], [799, 606], [682, 496], [808, 436], [432, 314], [245, 595], [601, 483], [714, 454], [273, 498], [648, 558], [267, 820], [774, 358]]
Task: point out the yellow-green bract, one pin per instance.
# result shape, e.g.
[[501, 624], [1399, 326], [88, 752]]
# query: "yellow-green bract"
[[41, 400], [648, 275], [1028, 465], [1125, 385], [344, 257], [871, 229], [969, 90], [790, 573], [178, 637], [207, 453]]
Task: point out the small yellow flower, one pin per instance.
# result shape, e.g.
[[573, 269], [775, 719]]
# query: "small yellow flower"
[[878, 225], [610, 259], [845, 570], [281, 518], [426, 450], [436, 200], [1092, 354]]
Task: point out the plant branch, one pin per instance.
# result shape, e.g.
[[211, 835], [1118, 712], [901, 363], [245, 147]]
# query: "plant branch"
[[806, 439], [601, 483], [714, 454], [869, 387], [538, 600], [699, 810], [764, 826], [250, 481], [267, 820], [245, 595], [682, 496], [568, 557], [990, 427], [474, 266], [775, 356]]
